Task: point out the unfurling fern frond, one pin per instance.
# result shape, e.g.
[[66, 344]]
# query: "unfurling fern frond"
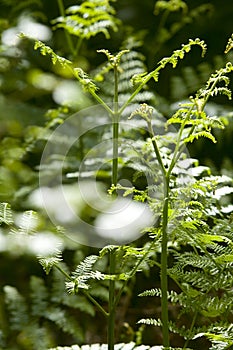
[[89, 19], [229, 44], [130, 65], [170, 6], [46, 50], [173, 60]]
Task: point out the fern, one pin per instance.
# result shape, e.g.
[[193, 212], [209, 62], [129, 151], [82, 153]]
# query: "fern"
[[39, 296], [64, 321], [229, 45], [28, 223], [121, 346], [5, 214], [46, 50], [89, 19], [171, 6], [18, 309], [186, 16], [50, 261]]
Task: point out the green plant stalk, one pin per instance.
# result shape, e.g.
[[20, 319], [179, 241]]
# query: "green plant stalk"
[[163, 277], [78, 46], [105, 313], [164, 273], [111, 302], [190, 330], [67, 34], [112, 254], [115, 135]]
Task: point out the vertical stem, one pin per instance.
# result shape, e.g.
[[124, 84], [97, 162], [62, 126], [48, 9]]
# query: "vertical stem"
[[115, 131], [67, 34], [112, 254], [112, 313], [163, 277]]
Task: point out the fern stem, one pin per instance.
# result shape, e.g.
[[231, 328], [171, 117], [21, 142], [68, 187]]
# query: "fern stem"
[[178, 151], [190, 330], [77, 48], [112, 254], [115, 129], [95, 302], [63, 272], [112, 306], [99, 99], [163, 277], [67, 34], [164, 273], [156, 149]]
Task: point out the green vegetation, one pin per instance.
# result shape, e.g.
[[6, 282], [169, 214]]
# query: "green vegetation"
[[105, 181]]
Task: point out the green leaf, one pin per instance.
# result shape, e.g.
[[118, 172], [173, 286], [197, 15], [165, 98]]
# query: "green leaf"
[[89, 19], [5, 214], [49, 261]]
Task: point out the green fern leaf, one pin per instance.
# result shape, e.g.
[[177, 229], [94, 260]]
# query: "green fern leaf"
[[229, 44], [65, 322], [83, 273], [18, 310], [49, 261], [6, 214], [28, 223], [170, 5], [89, 19], [39, 296], [196, 136], [150, 322]]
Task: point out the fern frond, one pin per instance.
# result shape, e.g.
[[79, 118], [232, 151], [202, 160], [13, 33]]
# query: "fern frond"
[[28, 223], [107, 249], [179, 54], [39, 296], [196, 136], [89, 19], [59, 294], [64, 321], [49, 261], [151, 322], [17, 306], [114, 60], [222, 341], [171, 6], [151, 293], [46, 50], [6, 216], [131, 64], [229, 45], [83, 273], [84, 79], [85, 267]]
